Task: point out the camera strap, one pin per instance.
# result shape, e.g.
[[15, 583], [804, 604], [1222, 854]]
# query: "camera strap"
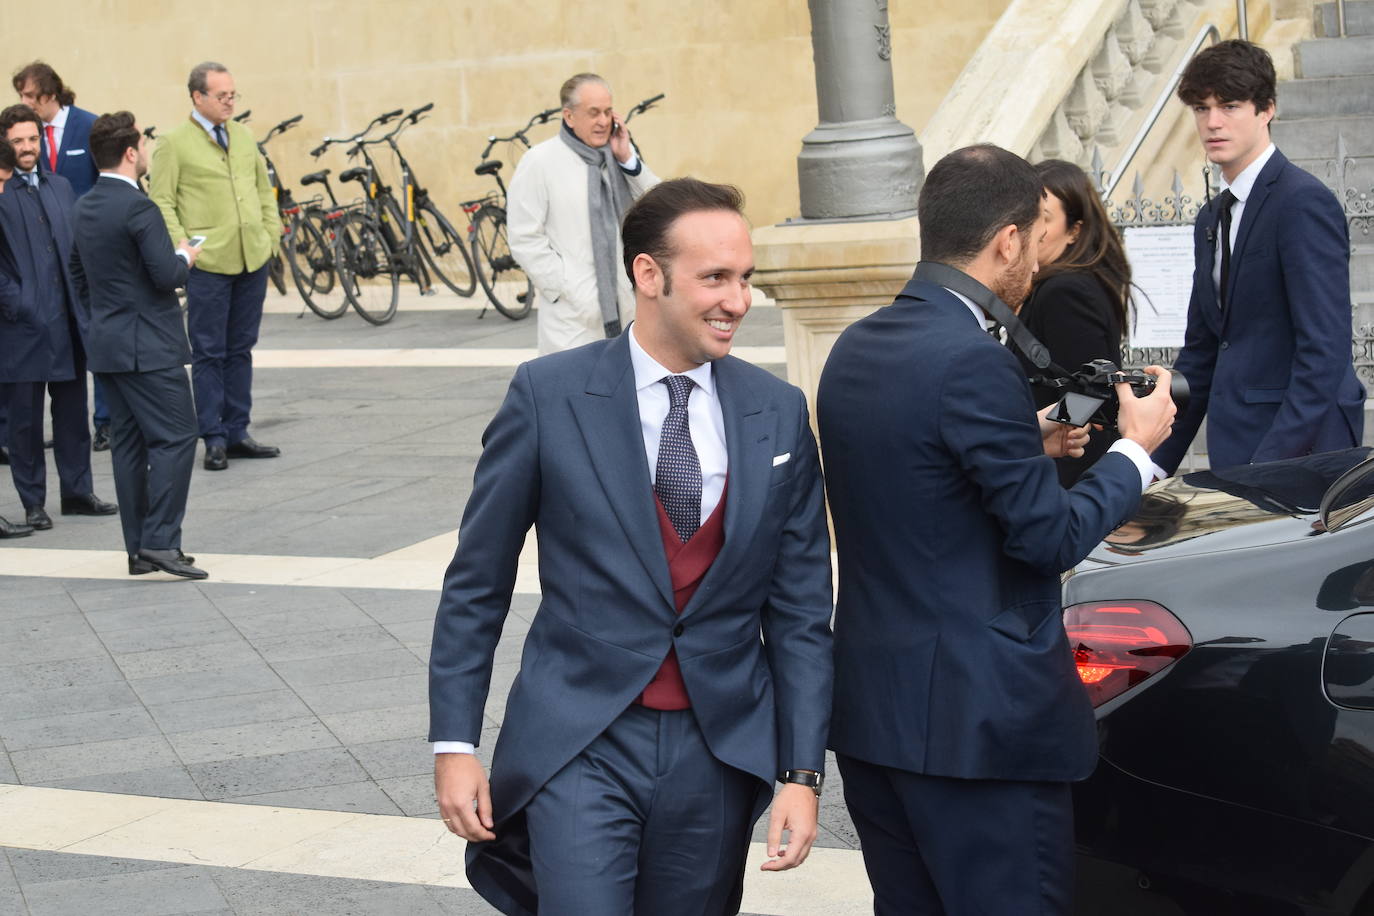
[[956, 280]]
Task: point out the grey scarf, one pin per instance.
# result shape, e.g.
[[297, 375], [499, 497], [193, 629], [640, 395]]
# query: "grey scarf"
[[608, 197]]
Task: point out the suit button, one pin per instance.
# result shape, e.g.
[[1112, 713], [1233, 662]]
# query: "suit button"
[[677, 630], [1225, 344]]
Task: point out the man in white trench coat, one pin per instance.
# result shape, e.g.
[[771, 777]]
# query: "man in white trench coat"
[[563, 214]]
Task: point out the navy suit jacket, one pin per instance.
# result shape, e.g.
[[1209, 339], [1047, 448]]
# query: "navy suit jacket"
[[952, 530], [126, 275], [36, 340], [565, 453], [74, 160], [1273, 374]]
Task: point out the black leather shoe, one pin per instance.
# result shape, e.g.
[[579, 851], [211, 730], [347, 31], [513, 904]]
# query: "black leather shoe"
[[100, 442], [90, 504], [248, 448], [36, 518], [215, 459], [169, 561], [139, 566], [10, 530]]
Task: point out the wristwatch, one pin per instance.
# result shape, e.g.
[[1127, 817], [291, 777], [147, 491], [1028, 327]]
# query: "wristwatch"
[[805, 778]]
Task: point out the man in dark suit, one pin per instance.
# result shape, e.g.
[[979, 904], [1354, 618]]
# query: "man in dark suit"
[[65, 150], [41, 345], [679, 662], [7, 528], [126, 274], [958, 718], [1267, 348]]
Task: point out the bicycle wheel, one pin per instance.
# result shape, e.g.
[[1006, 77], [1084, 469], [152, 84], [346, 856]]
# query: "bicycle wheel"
[[506, 284], [446, 250], [276, 271], [311, 259], [367, 272]]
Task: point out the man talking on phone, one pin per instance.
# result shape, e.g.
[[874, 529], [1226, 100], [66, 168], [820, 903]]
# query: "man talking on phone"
[[126, 274], [563, 211]]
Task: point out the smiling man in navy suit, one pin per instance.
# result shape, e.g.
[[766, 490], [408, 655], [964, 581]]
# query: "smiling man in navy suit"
[[959, 719], [1267, 349], [679, 661]]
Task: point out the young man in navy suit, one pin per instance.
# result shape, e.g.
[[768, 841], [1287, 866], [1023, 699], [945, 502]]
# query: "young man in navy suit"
[[959, 719], [65, 149], [1267, 348], [680, 659]]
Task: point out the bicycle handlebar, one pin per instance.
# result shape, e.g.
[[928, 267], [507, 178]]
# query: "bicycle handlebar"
[[242, 117], [415, 115], [282, 128], [644, 105]]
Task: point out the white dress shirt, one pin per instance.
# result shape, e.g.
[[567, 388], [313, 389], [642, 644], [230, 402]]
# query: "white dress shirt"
[[1131, 449], [58, 125], [1241, 187], [706, 423]]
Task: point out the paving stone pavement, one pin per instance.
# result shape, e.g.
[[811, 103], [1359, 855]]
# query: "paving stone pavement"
[[283, 696]]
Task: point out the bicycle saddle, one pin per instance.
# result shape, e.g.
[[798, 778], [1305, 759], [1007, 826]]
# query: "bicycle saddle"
[[358, 173], [315, 177], [490, 167]]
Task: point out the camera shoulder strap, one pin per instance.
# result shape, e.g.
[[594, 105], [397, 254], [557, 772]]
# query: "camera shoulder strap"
[[958, 281]]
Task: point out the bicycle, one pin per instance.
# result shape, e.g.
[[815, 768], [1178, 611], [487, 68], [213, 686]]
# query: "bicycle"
[[491, 256], [276, 265]]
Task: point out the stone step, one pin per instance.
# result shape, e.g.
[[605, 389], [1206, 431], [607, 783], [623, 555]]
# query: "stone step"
[[1315, 138], [1327, 97], [1334, 57], [1359, 18]]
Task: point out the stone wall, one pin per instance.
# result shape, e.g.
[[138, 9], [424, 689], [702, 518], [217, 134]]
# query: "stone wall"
[[738, 76]]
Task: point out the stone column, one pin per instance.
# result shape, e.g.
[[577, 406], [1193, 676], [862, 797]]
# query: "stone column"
[[860, 161]]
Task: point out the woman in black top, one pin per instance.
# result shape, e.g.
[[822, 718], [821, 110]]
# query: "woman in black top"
[[1078, 305]]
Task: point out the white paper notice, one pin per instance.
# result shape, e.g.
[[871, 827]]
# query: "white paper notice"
[[1162, 267]]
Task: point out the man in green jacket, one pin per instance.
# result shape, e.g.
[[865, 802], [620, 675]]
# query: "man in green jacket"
[[209, 179]]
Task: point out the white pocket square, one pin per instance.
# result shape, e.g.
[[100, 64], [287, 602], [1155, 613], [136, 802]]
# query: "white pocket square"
[[76, 152], [782, 459]]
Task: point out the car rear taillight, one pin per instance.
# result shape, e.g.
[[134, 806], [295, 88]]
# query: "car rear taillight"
[[1118, 644]]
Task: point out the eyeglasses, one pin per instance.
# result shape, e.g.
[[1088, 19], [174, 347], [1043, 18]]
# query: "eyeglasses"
[[224, 97]]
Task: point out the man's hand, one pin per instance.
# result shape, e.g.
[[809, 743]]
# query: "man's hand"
[[794, 809], [620, 140], [459, 781], [1062, 440], [192, 252], [1147, 421]]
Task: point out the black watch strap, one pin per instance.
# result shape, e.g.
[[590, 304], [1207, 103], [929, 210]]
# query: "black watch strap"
[[804, 778]]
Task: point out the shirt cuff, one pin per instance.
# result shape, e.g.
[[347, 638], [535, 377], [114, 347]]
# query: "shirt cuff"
[[184, 256], [632, 166], [1159, 472], [454, 747], [1139, 457]]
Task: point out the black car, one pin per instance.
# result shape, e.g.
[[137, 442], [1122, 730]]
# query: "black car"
[[1226, 636]]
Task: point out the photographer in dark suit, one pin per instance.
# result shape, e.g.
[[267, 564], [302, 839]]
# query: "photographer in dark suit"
[[126, 274]]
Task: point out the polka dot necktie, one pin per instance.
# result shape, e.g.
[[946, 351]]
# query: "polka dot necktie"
[[677, 477]]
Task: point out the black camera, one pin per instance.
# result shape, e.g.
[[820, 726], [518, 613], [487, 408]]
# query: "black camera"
[[1089, 395]]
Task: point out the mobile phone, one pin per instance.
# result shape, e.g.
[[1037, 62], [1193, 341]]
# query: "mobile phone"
[[617, 127], [196, 241]]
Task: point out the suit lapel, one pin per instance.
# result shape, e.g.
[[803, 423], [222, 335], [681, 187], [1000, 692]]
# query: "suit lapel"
[[608, 415], [750, 437], [1259, 193]]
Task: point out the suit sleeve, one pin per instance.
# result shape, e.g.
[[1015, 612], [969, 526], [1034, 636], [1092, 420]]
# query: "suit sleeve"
[[796, 618], [642, 180], [271, 218], [1314, 246], [167, 271], [527, 212], [163, 174], [10, 288], [79, 281], [988, 422], [1196, 362], [480, 579]]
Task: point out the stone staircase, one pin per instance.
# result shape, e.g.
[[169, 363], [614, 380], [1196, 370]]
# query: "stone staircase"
[[1334, 94]]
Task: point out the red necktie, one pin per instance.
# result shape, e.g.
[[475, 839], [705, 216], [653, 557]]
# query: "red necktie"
[[52, 148]]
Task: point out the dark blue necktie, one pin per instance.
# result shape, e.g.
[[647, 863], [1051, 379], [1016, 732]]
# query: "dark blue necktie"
[[677, 477], [221, 138], [1224, 200]]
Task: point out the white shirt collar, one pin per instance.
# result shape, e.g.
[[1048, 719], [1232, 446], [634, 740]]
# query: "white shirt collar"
[[648, 371], [1246, 179], [59, 120], [983, 320], [118, 177], [205, 123]]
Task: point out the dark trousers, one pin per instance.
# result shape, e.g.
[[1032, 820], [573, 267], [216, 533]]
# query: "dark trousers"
[[100, 411], [223, 313], [152, 449], [935, 846], [645, 820], [70, 432]]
